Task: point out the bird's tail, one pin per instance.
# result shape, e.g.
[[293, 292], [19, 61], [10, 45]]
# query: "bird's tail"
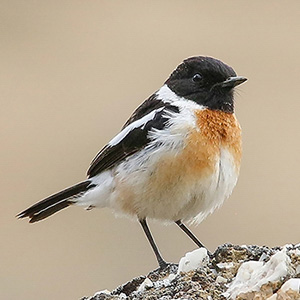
[[56, 202]]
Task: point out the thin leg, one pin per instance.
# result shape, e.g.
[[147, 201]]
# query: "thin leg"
[[160, 260], [191, 235]]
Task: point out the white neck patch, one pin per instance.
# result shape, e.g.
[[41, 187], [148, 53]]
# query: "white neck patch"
[[167, 95]]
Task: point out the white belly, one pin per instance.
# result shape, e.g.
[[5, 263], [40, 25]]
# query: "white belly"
[[215, 190], [180, 197]]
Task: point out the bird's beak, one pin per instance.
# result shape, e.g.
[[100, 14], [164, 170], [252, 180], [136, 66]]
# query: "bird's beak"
[[232, 82]]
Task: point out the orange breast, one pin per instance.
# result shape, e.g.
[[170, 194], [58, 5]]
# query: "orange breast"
[[202, 150], [171, 181], [217, 130]]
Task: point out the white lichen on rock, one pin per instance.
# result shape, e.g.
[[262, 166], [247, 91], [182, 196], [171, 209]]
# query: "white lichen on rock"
[[252, 275], [193, 260], [232, 272]]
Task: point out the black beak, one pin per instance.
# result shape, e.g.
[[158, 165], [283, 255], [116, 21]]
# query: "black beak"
[[232, 82]]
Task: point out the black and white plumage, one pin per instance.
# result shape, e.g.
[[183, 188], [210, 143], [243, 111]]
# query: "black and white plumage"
[[151, 115], [135, 135], [172, 160]]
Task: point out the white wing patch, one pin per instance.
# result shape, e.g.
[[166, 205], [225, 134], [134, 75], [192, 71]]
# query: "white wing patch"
[[138, 123]]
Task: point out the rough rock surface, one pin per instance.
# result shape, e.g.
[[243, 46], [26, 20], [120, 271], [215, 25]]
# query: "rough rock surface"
[[232, 272]]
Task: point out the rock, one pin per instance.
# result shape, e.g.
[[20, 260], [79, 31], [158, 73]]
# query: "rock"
[[232, 272]]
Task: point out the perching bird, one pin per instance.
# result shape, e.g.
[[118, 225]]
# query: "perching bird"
[[177, 158]]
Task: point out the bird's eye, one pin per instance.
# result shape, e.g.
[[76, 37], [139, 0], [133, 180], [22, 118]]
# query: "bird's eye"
[[197, 77]]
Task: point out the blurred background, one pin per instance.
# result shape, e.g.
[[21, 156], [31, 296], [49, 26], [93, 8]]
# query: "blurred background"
[[71, 74]]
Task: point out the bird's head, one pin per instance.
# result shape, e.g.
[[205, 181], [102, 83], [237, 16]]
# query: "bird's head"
[[207, 81]]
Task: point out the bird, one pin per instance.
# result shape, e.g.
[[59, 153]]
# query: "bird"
[[176, 159]]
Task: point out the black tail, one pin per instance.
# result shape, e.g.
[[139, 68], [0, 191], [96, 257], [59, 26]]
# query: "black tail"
[[54, 203]]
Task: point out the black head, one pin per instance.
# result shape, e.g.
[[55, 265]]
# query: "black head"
[[207, 81]]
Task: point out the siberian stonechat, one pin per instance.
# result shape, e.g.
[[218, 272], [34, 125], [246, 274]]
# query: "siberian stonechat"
[[177, 158]]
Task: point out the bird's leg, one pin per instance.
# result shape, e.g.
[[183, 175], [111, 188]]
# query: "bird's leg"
[[191, 235], [162, 263]]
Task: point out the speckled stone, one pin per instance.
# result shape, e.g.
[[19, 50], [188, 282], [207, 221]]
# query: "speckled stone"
[[209, 282]]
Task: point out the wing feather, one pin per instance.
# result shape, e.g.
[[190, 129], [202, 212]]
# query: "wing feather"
[[134, 136]]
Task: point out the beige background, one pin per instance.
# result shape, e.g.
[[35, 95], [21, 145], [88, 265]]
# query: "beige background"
[[72, 72]]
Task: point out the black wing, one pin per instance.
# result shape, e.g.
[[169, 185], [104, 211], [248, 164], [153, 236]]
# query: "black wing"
[[145, 108], [134, 135]]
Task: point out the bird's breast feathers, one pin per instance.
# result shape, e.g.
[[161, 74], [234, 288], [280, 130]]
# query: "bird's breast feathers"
[[189, 166]]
